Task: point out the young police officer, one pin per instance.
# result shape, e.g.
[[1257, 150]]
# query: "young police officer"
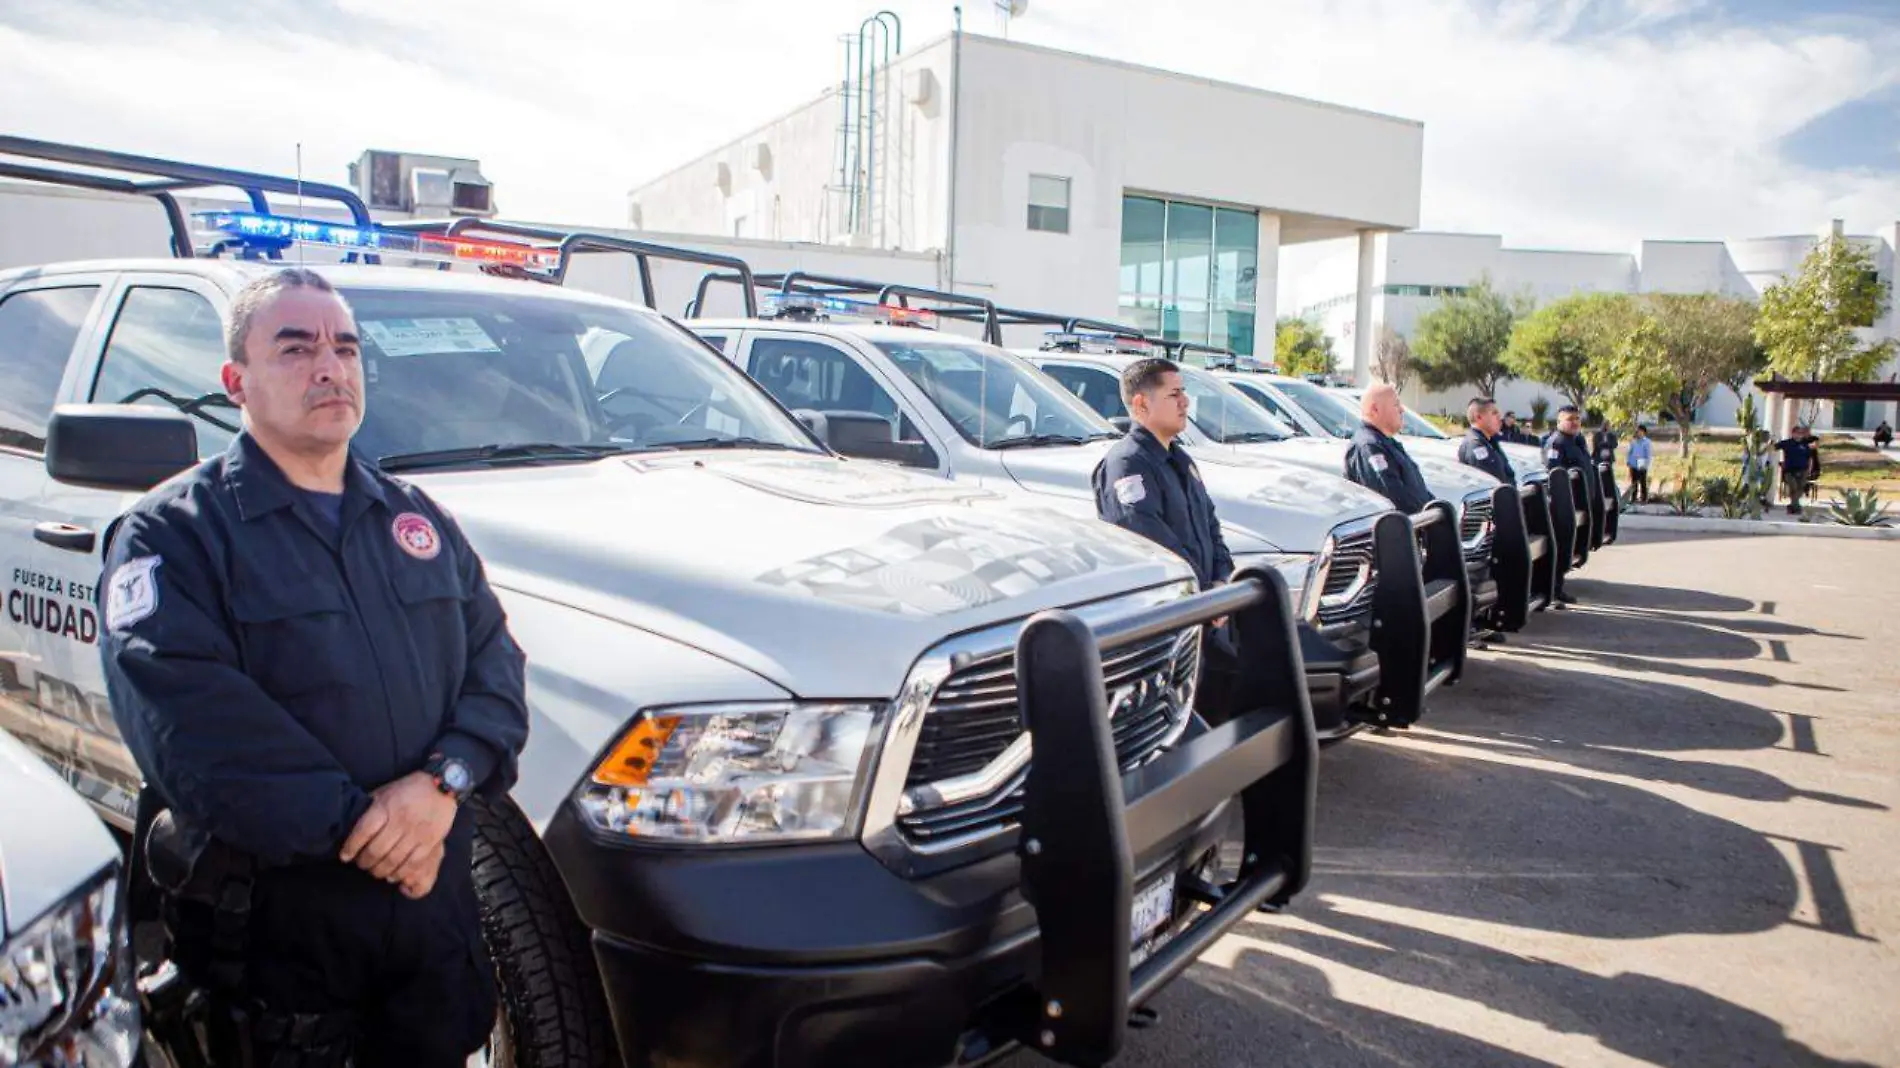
[[309, 666], [1479, 448], [1565, 448], [1376, 460], [1148, 484]]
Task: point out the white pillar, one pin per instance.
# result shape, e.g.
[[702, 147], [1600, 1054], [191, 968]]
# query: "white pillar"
[[1362, 312], [1266, 287]]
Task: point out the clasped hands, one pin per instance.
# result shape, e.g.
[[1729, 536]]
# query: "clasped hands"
[[400, 839]]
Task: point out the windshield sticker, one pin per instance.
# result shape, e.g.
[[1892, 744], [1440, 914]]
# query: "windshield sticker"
[[949, 564], [426, 337]]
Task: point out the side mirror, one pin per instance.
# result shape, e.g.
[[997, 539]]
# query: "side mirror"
[[124, 447], [868, 436], [1122, 423]]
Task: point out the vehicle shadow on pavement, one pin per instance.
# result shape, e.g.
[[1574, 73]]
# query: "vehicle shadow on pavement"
[[1417, 827], [1645, 1017], [1533, 710], [1660, 598]]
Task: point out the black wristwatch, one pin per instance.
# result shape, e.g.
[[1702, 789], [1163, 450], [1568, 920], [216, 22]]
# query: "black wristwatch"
[[451, 776]]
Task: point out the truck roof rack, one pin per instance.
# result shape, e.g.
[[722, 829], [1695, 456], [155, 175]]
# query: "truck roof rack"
[[570, 242], [1068, 324], [790, 282], [161, 179]]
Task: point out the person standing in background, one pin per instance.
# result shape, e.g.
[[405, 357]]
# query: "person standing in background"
[[1639, 458]]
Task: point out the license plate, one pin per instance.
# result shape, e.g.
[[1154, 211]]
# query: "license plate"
[[1149, 918]]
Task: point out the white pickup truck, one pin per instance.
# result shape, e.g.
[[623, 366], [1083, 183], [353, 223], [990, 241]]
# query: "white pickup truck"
[[842, 666]]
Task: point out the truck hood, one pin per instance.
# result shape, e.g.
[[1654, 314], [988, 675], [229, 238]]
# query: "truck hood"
[[1283, 506], [1447, 479], [50, 841], [827, 577]]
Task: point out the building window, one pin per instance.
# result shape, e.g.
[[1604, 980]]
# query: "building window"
[[1048, 204], [1189, 271]]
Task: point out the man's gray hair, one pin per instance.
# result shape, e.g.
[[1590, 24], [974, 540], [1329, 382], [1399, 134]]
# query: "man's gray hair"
[[259, 292]]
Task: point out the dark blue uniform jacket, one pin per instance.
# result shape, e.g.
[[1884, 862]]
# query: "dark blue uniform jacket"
[[1379, 463], [1157, 493], [1571, 452], [268, 671], [1483, 453], [1603, 445]]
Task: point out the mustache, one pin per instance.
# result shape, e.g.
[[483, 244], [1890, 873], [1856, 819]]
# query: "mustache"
[[326, 394]]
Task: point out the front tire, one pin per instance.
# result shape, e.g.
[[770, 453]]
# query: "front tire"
[[553, 1013]]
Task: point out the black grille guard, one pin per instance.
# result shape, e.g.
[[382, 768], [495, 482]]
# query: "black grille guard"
[[1085, 824], [1612, 504], [1421, 611], [1545, 547], [1511, 560], [1570, 512]]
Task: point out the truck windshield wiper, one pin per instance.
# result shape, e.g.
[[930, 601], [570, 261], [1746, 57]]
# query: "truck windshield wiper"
[[1251, 436], [729, 443], [1031, 440], [522, 452]]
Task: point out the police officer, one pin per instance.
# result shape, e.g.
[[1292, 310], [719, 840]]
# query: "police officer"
[[1480, 447], [1564, 448], [1603, 445], [1148, 484], [311, 670], [1376, 460]]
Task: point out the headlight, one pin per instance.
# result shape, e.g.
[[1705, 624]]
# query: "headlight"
[[66, 996], [1297, 570], [736, 773]]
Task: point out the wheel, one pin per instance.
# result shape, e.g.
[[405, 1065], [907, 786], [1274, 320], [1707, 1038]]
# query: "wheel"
[[553, 1014]]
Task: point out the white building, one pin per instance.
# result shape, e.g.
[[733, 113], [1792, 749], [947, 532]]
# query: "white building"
[[1061, 182], [1410, 271]]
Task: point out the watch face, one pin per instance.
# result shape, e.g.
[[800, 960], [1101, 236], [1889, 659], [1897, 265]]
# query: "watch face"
[[455, 776]]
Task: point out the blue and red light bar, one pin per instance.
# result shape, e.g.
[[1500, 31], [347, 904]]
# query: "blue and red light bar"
[[1096, 342], [256, 228], [819, 305]]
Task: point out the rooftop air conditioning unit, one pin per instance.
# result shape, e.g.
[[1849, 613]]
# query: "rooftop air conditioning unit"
[[422, 185]]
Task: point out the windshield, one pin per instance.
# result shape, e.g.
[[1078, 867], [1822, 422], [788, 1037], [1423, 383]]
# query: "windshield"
[[1328, 411], [1223, 413], [1420, 426], [994, 398], [464, 371]]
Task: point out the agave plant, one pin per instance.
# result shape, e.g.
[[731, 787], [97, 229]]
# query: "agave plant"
[[1858, 508], [1686, 497]]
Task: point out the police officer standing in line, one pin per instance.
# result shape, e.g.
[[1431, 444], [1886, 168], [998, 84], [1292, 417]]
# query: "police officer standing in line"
[[1564, 448], [1603, 445], [307, 662], [1376, 460], [1479, 448], [1148, 484]]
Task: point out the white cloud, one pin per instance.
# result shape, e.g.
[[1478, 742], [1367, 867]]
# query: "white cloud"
[[1565, 123]]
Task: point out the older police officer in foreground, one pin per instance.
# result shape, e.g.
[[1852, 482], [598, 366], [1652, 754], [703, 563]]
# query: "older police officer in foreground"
[[1148, 484], [308, 664], [1376, 459]]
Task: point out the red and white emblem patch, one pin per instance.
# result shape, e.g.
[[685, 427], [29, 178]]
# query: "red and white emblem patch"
[[416, 535]]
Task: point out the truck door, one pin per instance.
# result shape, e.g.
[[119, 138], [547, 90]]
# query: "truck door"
[[43, 323], [163, 344]]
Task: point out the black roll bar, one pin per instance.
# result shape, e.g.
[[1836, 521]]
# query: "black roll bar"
[[883, 292], [572, 242], [172, 177]]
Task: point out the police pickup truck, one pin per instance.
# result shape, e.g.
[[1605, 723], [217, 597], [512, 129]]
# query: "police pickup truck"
[[66, 996], [1379, 635], [778, 806]]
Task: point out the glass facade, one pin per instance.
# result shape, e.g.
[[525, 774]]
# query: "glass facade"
[[1188, 271]]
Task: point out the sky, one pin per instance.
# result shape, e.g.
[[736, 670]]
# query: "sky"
[[1588, 124]]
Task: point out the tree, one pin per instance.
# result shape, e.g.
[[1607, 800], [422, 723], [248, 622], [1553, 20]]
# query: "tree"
[[1392, 358], [1557, 342], [1462, 341], [1301, 348], [1681, 349], [1807, 321]]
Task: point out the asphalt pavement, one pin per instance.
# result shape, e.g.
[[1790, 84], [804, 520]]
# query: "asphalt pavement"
[[1658, 829]]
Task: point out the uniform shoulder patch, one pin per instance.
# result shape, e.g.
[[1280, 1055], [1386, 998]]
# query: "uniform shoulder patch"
[[132, 592], [1378, 462], [1130, 489], [416, 535], [1555, 454], [1481, 452]]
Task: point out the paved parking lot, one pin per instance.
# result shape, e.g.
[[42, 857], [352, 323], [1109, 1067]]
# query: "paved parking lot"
[[1656, 830]]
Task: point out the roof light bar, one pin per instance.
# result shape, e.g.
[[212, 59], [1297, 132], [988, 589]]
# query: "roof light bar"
[[829, 307], [274, 231], [1097, 342]]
